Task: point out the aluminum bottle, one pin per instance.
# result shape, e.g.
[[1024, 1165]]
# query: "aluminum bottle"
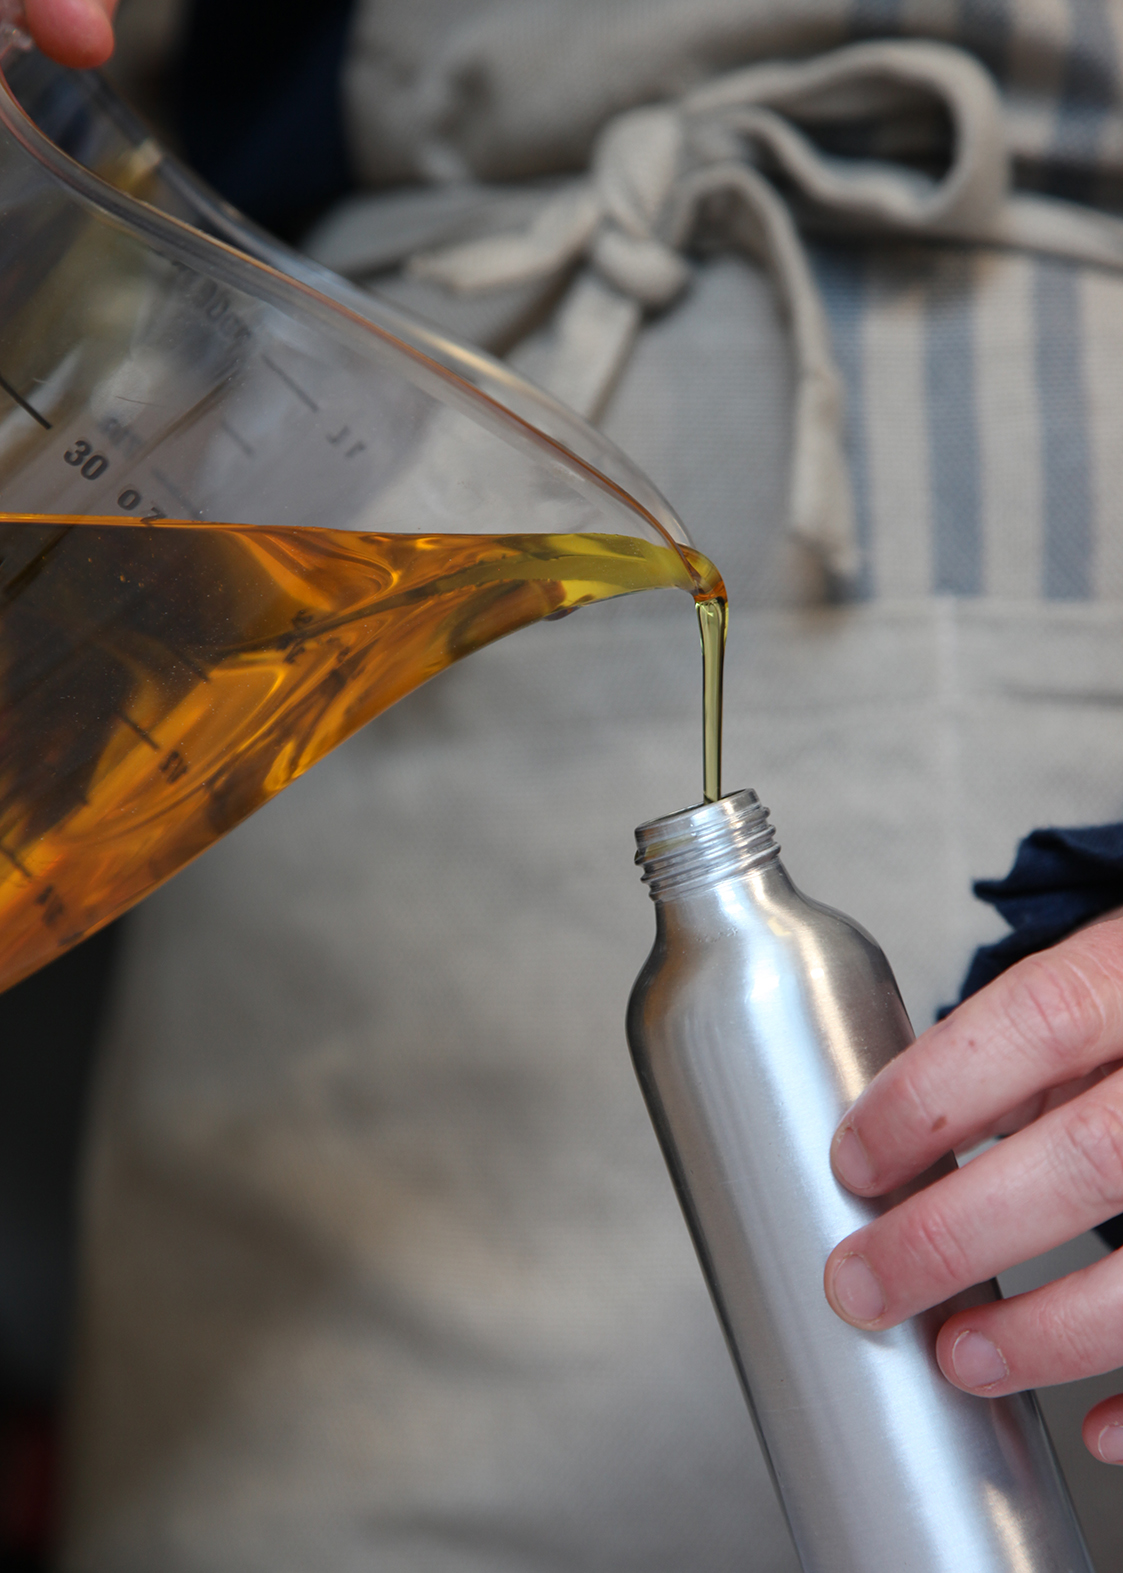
[[757, 1020]]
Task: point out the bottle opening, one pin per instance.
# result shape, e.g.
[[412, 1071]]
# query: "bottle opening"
[[701, 845]]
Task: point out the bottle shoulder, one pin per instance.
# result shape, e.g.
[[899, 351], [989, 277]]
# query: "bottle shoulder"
[[762, 953], [762, 913]]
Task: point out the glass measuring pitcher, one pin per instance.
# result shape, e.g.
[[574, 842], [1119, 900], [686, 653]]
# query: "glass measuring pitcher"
[[245, 507]]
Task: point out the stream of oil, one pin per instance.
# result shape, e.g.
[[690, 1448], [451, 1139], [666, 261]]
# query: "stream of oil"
[[713, 624], [159, 683]]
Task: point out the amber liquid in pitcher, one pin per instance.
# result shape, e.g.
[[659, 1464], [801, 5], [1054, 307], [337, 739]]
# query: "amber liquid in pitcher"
[[160, 682]]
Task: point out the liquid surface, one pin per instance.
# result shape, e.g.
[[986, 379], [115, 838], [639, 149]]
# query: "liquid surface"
[[157, 684]]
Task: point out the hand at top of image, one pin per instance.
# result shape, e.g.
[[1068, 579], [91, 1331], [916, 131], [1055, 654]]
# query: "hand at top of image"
[[76, 33], [1035, 1055]]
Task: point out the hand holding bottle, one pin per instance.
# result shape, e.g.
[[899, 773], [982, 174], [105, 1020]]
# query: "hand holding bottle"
[[1037, 1054], [76, 33]]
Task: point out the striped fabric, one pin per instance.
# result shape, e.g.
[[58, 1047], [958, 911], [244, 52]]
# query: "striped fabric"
[[1059, 62], [986, 388], [985, 407]]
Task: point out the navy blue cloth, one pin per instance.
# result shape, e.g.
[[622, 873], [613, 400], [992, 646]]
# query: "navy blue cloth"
[[1060, 879], [258, 84]]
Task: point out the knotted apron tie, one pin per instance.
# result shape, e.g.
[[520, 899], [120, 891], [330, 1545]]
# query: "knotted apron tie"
[[659, 174]]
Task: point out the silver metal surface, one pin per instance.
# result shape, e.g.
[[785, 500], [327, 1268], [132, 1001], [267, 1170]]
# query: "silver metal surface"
[[757, 1020]]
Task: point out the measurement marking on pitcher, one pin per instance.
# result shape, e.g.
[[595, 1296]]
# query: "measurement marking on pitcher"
[[341, 436], [192, 666], [305, 398], [145, 737], [15, 862], [23, 404], [52, 904], [181, 497], [239, 441]]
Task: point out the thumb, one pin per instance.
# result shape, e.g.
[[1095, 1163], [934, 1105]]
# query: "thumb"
[[76, 33]]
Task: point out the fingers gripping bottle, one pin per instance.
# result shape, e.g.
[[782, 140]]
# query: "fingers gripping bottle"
[[755, 1023]]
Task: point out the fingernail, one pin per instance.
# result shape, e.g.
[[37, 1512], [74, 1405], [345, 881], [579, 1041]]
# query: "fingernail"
[[1110, 1444], [851, 1162], [856, 1291], [976, 1362]]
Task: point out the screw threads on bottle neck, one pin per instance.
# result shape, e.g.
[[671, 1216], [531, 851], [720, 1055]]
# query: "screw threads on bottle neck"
[[699, 846]]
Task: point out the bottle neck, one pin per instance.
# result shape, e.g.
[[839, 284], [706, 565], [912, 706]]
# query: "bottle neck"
[[697, 848]]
